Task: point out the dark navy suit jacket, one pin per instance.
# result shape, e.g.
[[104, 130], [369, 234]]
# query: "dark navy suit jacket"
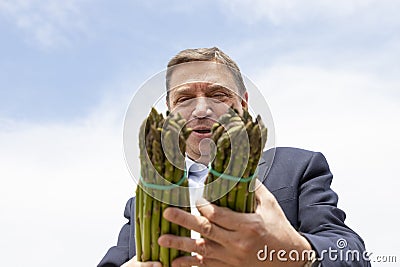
[[300, 181]]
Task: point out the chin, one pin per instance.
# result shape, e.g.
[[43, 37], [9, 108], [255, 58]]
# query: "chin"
[[201, 154]]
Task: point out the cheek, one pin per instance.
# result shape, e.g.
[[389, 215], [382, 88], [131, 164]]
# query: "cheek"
[[237, 105], [223, 107], [184, 111]]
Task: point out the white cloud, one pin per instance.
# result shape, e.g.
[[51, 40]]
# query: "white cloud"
[[286, 11], [46, 23], [64, 188], [351, 118]]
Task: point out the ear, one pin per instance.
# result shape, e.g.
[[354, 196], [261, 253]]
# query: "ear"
[[245, 99]]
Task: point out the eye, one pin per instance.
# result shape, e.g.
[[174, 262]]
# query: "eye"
[[219, 95], [182, 99]]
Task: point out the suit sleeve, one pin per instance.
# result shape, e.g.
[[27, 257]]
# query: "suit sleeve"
[[119, 254], [322, 223]]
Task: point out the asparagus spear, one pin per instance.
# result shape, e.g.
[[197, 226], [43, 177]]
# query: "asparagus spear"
[[237, 169], [157, 157], [214, 193], [242, 190], [259, 133], [233, 124], [145, 224], [226, 145], [175, 177], [138, 235]]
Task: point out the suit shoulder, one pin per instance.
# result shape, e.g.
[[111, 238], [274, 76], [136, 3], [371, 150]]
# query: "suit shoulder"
[[130, 205], [295, 150], [289, 152], [289, 157]]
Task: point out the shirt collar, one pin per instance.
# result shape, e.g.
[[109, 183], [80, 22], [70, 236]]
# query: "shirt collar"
[[194, 166]]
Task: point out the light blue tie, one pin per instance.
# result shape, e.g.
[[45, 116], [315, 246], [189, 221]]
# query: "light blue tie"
[[197, 172]]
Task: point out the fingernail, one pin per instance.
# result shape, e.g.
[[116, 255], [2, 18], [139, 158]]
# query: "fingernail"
[[170, 212], [166, 212], [160, 240]]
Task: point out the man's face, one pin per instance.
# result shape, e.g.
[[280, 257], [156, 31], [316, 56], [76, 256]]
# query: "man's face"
[[201, 93]]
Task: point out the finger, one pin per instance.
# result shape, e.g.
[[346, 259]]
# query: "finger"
[[204, 247], [267, 203], [224, 217], [134, 263], [262, 193], [197, 260], [199, 224]]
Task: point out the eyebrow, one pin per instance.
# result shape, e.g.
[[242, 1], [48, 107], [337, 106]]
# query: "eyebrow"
[[216, 86], [180, 89], [212, 87]]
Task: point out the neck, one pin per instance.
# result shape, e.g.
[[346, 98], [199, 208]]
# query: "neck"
[[203, 159]]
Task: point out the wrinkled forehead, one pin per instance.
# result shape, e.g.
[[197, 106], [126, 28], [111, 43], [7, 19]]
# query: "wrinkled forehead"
[[209, 72]]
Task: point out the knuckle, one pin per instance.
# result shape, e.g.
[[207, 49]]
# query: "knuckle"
[[179, 217], [242, 246], [179, 243], [256, 226], [201, 247], [214, 214], [206, 227], [272, 201], [243, 249]]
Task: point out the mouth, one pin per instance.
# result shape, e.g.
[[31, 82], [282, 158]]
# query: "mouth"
[[202, 132], [201, 128]]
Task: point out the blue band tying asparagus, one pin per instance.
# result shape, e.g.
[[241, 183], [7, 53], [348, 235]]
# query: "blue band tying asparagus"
[[164, 187], [232, 178]]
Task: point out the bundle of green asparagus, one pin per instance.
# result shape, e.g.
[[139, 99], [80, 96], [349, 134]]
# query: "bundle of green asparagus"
[[162, 145], [239, 144]]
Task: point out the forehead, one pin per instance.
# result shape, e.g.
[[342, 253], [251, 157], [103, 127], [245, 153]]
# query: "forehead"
[[202, 72]]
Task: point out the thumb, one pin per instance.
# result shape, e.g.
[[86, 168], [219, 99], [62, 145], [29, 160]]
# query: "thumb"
[[262, 193], [264, 198]]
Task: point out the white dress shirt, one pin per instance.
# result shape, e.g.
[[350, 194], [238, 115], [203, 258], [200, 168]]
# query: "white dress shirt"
[[197, 174]]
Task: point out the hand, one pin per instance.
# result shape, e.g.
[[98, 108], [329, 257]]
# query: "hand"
[[134, 263], [234, 239]]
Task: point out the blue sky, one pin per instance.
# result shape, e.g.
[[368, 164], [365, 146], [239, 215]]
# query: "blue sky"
[[58, 58], [328, 69]]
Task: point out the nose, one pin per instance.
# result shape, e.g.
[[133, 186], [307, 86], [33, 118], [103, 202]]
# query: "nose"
[[202, 108]]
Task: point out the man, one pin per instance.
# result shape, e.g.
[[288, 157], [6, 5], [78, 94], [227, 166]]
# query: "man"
[[296, 209]]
